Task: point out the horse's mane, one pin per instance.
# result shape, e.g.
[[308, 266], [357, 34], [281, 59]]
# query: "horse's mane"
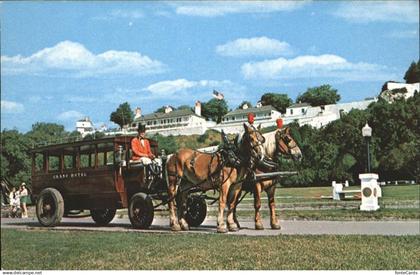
[[269, 146]]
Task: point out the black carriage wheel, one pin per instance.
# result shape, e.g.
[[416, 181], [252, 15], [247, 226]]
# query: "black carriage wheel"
[[50, 207], [141, 211], [103, 216], [196, 210]]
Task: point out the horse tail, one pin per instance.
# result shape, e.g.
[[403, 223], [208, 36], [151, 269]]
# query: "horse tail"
[[173, 162], [167, 166]]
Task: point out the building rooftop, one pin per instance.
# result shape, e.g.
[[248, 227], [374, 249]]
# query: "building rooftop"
[[297, 105], [176, 113], [251, 110]]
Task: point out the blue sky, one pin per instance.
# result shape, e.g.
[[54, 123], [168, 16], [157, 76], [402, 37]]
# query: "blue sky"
[[61, 61]]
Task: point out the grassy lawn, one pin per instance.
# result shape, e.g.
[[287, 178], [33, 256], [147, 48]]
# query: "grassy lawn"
[[390, 192], [397, 203], [22, 249]]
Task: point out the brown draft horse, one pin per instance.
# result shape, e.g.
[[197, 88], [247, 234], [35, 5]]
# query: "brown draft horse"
[[188, 169], [279, 141]]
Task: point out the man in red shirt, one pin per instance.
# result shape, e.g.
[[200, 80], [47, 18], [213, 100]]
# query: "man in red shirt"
[[141, 147]]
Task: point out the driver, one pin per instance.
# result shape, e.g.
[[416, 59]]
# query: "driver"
[[142, 153], [140, 146]]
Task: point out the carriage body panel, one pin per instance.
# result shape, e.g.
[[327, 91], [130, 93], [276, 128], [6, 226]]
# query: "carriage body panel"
[[88, 174]]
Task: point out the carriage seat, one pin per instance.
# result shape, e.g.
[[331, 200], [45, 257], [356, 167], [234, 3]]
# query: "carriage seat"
[[136, 163]]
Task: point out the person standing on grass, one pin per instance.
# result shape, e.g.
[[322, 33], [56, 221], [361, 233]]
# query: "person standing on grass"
[[14, 202], [23, 192]]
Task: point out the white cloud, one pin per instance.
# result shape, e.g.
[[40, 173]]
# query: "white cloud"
[[379, 11], [220, 8], [120, 14], [170, 86], [309, 66], [406, 34], [73, 59], [184, 91], [70, 115], [255, 46], [130, 14], [11, 107]]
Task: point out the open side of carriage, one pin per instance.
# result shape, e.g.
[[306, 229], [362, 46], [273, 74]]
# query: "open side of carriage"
[[97, 175]]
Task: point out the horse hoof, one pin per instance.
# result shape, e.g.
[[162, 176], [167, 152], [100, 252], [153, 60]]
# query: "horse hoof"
[[185, 227], [175, 227], [233, 228], [259, 226], [275, 226], [221, 230]]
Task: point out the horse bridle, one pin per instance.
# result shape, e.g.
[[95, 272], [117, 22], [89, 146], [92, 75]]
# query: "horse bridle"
[[261, 140], [287, 140]]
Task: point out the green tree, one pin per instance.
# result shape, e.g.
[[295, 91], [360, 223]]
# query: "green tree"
[[184, 107], [278, 101], [243, 103], [15, 156], [412, 75], [167, 143], [160, 110], [123, 115], [321, 95], [45, 133], [214, 109]]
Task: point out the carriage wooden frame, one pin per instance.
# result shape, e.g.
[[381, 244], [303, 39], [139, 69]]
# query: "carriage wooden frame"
[[97, 175]]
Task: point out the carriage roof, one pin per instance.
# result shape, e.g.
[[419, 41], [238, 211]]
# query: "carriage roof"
[[113, 139]]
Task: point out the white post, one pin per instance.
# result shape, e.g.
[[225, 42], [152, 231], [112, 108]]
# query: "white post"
[[337, 187], [369, 190]]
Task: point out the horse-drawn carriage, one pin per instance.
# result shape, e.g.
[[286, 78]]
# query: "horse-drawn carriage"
[[99, 176]]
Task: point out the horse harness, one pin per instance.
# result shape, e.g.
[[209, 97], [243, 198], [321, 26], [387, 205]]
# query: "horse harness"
[[212, 176]]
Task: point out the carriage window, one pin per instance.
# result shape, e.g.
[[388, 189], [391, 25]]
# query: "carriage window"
[[92, 159], [110, 158], [87, 156], [53, 163], [69, 158], [68, 161], [105, 154], [39, 162], [101, 159], [87, 160]]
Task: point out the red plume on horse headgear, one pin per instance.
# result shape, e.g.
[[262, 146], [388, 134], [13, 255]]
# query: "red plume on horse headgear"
[[279, 122], [251, 118]]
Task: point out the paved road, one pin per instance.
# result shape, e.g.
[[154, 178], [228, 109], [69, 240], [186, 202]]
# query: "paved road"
[[289, 227]]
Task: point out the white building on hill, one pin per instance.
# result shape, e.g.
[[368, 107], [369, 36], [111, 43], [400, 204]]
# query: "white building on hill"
[[173, 122], [393, 90], [233, 121], [320, 116], [85, 126]]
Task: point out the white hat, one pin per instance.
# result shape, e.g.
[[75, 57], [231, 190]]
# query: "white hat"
[[23, 184]]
